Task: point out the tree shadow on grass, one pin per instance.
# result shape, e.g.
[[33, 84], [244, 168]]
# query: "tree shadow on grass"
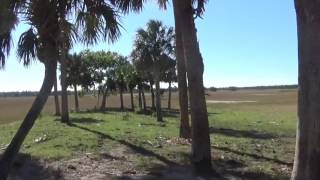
[[135, 148], [117, 109], [174, 113], [255, 156], [26, 167], [241, 133], [86, 120], [234, 169]]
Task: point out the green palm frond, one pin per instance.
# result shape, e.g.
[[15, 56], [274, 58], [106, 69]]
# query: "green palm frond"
[[5, 46], [135, 5], [99, 20], [9, 19], [27, 47], [129, 5], [111, 20], [91, 27], [69, 33]]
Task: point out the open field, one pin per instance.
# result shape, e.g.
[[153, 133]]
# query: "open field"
[[252, 139]]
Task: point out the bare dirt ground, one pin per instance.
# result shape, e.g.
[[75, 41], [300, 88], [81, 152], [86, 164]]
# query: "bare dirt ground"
[[117, 165]]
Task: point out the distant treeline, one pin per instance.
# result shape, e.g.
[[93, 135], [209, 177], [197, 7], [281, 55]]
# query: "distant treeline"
[[18, 94], [81, 93], [234, 88], [174, 89]]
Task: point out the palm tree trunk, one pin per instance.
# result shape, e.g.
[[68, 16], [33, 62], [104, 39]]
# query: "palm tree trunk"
[[201, 152], [64, 92], [98, 101], [104, 99], [56, 97], [185, 131], [121, 98], [28, 122], [158, 101], [132, 102], [169, 95], [153, 106], [307, 156], [144, 100], [76, 100], [140, 100]]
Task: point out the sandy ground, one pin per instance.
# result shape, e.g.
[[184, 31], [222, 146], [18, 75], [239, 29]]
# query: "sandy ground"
[[229, 102]]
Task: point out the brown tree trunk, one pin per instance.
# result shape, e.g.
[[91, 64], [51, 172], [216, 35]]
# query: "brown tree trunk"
[[201, 149], [104, 99], [64, 92], [158, 101], [169, 96], [28, 122], [144, 100], [132, 102], [98, 101], [140, 100], [76, 99], [185, 131], [121, 98], [56, 97], [307, 156], [153, 106]]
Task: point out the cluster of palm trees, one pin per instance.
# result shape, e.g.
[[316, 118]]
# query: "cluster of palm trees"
[[55, 25], [109, 72]]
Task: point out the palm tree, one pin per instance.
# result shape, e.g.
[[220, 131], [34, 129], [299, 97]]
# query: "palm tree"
[[132, 79], [75, 71], [170, 76], [47, 22], [185, 131], [306, 162], [120, 72], [152, 50], [185, 13], [184, 16], [56, 97]]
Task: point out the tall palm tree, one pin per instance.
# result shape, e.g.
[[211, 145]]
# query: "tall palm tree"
[[185, 131], [201, 149], [47, 22], [185, 13], [75, 71], [170, 76], [153, 47], [120, 73], [56, 97], [306, 162]]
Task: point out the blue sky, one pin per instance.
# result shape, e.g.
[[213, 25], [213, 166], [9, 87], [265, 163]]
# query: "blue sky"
[[243, 43]]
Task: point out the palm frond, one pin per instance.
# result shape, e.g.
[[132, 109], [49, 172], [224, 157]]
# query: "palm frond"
[[111, 19], [199, 7], [27, 47], [128, 5], [163, 4], [69, 33], [5, 46], [91, 27], [9, 19], [98, 20]]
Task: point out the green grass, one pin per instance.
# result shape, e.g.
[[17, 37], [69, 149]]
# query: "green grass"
[[249, 140]]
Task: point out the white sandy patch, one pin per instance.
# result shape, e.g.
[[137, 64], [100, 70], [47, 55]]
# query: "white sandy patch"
[[229, 102]]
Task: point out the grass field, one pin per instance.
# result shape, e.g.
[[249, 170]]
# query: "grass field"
[[252, 134]]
